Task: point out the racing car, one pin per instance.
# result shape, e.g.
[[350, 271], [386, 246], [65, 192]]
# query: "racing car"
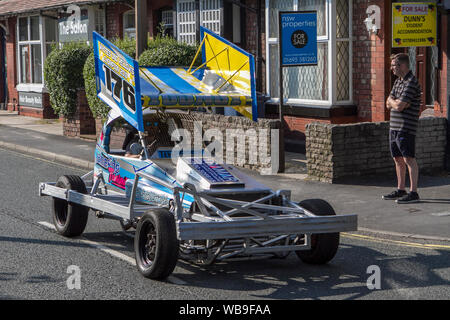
[[186, 205]]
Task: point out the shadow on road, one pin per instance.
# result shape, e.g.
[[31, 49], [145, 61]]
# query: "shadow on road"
[[425, 181], [444, 201], [345, 277]]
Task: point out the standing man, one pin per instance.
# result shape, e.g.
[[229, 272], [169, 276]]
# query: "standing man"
[[404, 103]]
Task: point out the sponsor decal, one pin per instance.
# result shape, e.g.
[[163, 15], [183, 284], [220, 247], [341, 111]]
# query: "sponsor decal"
[[212, 171], [116, 179], [113, 168]]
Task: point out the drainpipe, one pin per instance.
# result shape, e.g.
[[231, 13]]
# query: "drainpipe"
[[4, 33]]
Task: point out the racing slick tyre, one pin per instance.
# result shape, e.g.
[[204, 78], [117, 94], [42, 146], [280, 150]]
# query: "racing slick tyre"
[[323, 246], [70, 219], [155, 244]]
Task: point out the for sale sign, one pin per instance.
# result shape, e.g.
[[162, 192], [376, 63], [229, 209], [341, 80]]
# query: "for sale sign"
[[413, 24], [298, 38]]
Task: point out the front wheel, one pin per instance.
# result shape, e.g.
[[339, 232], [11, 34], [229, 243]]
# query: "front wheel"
[[156, 245], [323, 246]]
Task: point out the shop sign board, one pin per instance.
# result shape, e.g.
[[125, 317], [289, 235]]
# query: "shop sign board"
[[74, 27], [298, 38], [414, 24]]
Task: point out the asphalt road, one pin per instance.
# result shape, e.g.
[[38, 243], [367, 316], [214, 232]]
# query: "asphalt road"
[[36, 262]]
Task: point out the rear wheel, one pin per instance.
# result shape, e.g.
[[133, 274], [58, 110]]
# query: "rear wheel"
[[70, 219], [323, 246], [156, 245]]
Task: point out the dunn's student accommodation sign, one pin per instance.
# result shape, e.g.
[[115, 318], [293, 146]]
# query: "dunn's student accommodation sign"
[[414, 24]]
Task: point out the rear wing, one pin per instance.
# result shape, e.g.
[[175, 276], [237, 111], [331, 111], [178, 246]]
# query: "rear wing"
[[232, 64], [226, 78]]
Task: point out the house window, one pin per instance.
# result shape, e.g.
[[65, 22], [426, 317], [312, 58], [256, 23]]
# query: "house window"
[[100, 25], [30, 51], [328, 82], [51, 35], [210, 15], [167, 22], [186, 16], [167, 18], [36, 36], [129, 28]]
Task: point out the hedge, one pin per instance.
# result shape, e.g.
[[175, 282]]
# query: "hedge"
[[64, 77], [162, 51], [166, 51]]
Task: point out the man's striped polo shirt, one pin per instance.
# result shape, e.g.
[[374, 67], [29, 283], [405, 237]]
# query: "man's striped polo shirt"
[[407, 90]]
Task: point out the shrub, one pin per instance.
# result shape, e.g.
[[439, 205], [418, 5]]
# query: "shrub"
[[98, 108], [127, 45], [64, 77]]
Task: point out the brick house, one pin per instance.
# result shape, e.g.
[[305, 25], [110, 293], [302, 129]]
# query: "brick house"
[[352, 79], [349, 84], [355, 79]]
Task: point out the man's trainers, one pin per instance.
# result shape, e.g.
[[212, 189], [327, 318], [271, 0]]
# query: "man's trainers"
[[394, 195], [411, 197]]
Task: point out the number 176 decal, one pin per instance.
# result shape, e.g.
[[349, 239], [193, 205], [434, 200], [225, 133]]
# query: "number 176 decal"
[[120, 87]]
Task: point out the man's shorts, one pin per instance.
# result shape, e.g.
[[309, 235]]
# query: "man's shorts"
[[402, 144]]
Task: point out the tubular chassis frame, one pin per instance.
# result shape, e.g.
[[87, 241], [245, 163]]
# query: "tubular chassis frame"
[[245, 229]]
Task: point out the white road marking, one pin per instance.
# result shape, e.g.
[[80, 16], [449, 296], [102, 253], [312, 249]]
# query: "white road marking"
[[111, 252], [114, 253], [97, 245], [47, 225], [441, 214]]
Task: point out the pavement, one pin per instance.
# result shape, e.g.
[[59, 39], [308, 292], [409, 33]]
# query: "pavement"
[[429, 219]]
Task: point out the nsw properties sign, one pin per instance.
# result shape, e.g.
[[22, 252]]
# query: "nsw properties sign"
[[414, 24], [298, 38]]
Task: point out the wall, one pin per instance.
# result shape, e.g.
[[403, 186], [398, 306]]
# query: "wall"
[[443, 73], [371, 71], [82, 122], [46, 112], [114, 20], [258, 136], [296, 126], [334, 152]]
